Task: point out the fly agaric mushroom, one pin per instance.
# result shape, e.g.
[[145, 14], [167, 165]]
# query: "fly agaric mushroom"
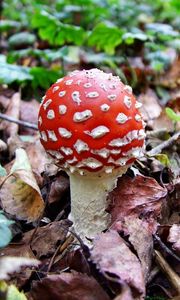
[[90, 124]]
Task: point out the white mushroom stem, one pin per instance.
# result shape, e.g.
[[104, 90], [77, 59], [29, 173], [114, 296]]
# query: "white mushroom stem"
[[88, 202]]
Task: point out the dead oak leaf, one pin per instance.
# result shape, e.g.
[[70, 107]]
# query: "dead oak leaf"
[[20, 195], [174, 237], [46, 238], [139, 197], [114, 259], [68, 286], [140, 237]]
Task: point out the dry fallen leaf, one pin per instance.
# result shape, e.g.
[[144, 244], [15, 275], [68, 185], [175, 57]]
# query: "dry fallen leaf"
[[141, 239], [29, 113], [37, 155], [10, 264], [13, 110], [68, 286], [125, 294], [150, 108], [174, 237], [46, 238], [116, 262], [172, 77], [58, 189], [20, 195], [139, 197]]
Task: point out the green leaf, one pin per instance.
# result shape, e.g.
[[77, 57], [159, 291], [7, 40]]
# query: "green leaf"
[[43, 77], [11, 291], [14, 294], [5, 232], [21, 38], [2, 171], [55, 32], [129, 37], [163, 158], [10, 73], [172, 115], [105, 37], [6, 25]]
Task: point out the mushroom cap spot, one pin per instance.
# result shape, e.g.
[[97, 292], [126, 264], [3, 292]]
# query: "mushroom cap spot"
[[66, 150], [55, 88], [52, 136], [76, 97], [40, 120], [72, 161], [105, 107], [43, 136], [87, 84], [112, 97], [64, 132], [128, 89], [138, 118], [103, 86], [69, 82], [92, 95], [98, 132], [62, 93], [62, 109], [81, 146], [121, 118], [47, 103], [101, 152], [50, 114], [127, 101], [56, 154], [59, 80], [82, 116], [90, 162]]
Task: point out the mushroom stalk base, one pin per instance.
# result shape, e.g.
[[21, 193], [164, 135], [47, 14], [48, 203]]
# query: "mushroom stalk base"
[[88, 202]]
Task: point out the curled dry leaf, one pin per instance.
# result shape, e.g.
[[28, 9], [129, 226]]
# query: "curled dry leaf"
[[174, 237], [138, 197], [10, 264], [115, 260], [71, 286], [140, 237], [37, 156], [46, 238], [58, 188], [20, 195]]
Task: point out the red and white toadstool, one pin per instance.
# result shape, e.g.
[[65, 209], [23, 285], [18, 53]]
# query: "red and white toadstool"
[[90, 124]]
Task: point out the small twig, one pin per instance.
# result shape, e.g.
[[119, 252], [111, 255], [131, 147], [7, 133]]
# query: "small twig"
[[153, 274], [165, 248], [164, 145], [61, 248], [19, 122], [173, 278]]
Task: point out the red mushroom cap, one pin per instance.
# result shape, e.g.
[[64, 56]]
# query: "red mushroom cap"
[[89, 120]]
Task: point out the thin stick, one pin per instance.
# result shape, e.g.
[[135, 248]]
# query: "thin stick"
[[165, 248], [174, 279], [163, 145], [19, 122]]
